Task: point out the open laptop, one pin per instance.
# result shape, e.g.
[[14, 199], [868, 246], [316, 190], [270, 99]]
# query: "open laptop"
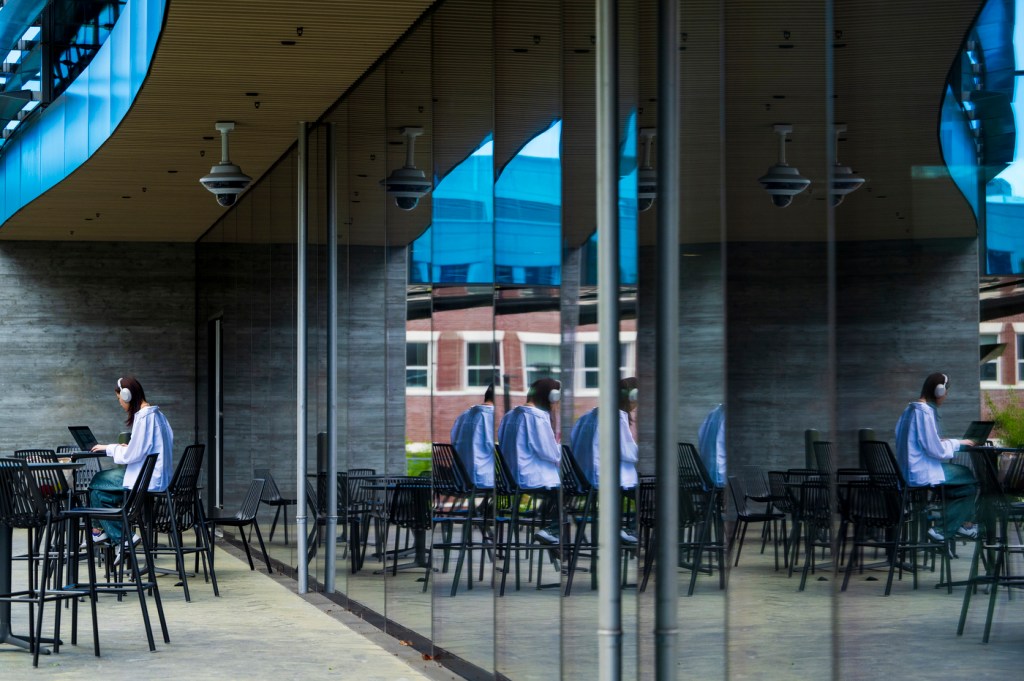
[[83, 437], [979, 431]]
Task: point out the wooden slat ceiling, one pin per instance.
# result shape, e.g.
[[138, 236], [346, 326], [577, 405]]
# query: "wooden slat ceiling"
[[212, 54], [891, 61]]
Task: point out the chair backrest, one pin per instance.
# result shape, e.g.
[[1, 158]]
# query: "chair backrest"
[[878, 459], [21, 503], [52, 483], [271, 493], [645, 501], [872, 504], [410, 504], [504, 481], [450, 476], [825, 456], [691, 468], [67, 449], [1013, 481], [133, 501], [85, 474], [738, 492], [251, 501], [574, 480], [182, 494]]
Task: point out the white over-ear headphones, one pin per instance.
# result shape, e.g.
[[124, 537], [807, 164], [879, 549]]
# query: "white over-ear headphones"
[[124, 393], [633, 395], [554, 395], [940, 389]]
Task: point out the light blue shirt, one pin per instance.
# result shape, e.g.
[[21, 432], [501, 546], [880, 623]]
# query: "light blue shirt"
[[151, 434], [473, 440], [587, 452], [919, 449], [711, 445], [529, 447]]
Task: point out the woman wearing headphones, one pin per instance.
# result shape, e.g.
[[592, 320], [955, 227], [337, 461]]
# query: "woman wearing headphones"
[[925, 458], [151, 434], [528, 444], [586, 446]]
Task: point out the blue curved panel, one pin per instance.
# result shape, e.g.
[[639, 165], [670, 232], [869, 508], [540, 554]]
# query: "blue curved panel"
[[77, 123]]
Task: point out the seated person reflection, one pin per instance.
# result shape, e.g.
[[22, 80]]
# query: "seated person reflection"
[[473, 439], [925, 458], [711, 445], [586, 447], [527, 441], [151, 434]]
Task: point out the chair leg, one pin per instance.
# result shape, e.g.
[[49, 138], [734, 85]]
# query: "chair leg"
[[263, 548]]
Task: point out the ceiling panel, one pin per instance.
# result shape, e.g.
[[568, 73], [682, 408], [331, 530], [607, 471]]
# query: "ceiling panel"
[[210, 56]]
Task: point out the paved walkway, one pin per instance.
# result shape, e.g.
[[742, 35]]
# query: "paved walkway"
[[258, 628]]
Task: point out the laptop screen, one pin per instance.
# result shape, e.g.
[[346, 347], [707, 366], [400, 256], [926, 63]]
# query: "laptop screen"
[[83, 437], [979, 431]]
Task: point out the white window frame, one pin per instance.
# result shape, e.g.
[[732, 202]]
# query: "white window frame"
[[495, 337], [535, 338], [627, 339], [993, 329], [430, 338]]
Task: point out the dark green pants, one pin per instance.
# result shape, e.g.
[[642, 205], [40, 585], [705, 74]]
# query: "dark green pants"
[[107, 491], [959, 491]]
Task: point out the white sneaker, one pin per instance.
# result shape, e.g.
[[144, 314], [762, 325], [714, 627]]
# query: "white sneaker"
[[969, 532], [545, 537], [626, 537], [935, 534], [97, 538]]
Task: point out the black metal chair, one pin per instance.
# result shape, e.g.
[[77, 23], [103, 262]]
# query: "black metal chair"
[[998, 509], [272, 497], [244, 517], [455, 499], [516, 526], [22, 506], [131, 515], [409, 509], [880, 461], [745, 516], [700, 520], [876, 513], [580, 504], [178, 509]]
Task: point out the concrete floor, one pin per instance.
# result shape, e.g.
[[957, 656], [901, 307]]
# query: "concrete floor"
[[761, 627], [257, 629]]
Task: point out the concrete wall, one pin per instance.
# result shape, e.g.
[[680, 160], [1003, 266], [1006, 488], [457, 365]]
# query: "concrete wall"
[[903, 309], [76, 316]]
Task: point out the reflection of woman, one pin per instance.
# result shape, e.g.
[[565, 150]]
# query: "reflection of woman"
[[528, 444], [585, 445], [151, 434], [472, 437], [711, 444], [926, 459]]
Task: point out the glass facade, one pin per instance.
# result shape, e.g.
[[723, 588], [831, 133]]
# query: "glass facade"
[[813, 318]]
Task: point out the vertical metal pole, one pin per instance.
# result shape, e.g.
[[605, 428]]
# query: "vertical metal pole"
[[332, 359], [667, 342], [609, 614], [300, 361]]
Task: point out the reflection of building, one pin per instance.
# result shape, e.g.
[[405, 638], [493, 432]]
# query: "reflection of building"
[[1005, 372], [450, 362]]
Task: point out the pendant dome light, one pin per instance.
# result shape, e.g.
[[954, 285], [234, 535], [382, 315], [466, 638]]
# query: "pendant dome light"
[[782, 181]]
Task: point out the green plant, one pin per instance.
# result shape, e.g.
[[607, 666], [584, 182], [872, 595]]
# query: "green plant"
[[1009, 418]]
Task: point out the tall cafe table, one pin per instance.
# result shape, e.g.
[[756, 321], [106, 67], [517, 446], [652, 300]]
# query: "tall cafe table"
[[6, 557]]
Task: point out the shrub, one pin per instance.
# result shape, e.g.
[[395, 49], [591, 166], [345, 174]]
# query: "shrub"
[[1009, 418]]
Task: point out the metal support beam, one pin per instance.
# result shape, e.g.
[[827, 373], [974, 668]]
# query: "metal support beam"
[[667, 344], [609, 614], [331, 532], [302, 196]]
